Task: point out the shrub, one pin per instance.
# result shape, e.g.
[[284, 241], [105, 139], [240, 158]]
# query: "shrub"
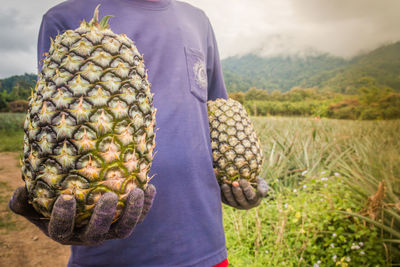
[[238, 96], [370, 113], [303, 228], [18, 106]]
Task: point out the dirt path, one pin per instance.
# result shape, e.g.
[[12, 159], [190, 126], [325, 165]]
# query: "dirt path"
[[21, 243]]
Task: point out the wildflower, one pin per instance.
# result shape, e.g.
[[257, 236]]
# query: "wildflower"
[[348, 259], [361, 244], [337, 174], [334, 234], [318, 262], [324, 179], [325, 185], [332, 245], [304, 173], [304, 186], [334, 258], [316, 265], [362, 252], [294, 191], [298, 215], [323, 172], [286, 205], [354, 246], [266, 252]]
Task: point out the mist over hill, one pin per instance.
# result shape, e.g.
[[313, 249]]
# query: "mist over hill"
[[325, 72]]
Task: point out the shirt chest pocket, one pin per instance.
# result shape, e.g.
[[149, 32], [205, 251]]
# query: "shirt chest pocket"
[[197, 72]]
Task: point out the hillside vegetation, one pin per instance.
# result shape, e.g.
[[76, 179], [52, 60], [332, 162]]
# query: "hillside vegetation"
[[364, 87], [324, 72], [14, 92]]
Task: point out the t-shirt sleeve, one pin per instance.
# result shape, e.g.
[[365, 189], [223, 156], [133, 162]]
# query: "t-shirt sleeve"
[[49, 28], [216, 84]]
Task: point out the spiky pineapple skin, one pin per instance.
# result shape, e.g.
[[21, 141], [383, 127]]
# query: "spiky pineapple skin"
[[235, 147], [90, 123]]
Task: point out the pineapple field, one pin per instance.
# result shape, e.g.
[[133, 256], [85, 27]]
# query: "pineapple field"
[[335, 200]]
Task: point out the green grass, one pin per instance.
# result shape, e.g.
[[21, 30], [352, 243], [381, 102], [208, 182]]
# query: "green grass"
[[302, 228], [297, 227], [355, 156], [11, 141], [11, 122], [11, 134]]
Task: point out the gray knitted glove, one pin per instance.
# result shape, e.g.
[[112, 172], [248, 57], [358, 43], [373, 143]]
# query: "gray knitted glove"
[[60, 227], [242, 195]]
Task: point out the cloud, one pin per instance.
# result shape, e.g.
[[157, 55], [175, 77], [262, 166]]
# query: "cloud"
[[346, 28], [17, 62], [20, 22], [267, 27], [341, 27], [17, 32]]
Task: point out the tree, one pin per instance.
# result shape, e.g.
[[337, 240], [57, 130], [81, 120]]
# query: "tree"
[[3, 100], [238, 96], [370, 92], [256, 94], [20, 91]]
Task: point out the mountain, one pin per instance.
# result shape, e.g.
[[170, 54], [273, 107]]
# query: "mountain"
[[324, 71]]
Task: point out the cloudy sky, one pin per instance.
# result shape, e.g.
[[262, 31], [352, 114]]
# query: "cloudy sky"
[[267, 27]]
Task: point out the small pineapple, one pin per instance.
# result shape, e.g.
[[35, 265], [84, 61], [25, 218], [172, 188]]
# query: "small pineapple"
[[235, 146], [90, 122]]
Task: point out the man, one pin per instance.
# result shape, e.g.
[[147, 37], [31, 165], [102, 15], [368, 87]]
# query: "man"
[[184, 225]]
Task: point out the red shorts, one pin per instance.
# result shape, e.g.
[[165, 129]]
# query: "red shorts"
[[225, 263]]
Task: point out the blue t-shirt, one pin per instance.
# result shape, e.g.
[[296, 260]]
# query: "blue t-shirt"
[[184, 226]]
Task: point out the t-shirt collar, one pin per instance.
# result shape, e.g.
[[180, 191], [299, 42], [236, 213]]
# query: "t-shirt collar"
[[160, 4]]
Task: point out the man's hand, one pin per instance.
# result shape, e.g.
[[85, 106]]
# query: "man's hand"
[[242, 195], [60, 227]]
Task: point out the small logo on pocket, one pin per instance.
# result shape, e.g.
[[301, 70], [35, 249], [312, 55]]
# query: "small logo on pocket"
[[200, 75]]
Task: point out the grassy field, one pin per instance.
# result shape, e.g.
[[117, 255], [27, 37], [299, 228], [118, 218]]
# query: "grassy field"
[[11, 134], [336, 194], [326, 175]]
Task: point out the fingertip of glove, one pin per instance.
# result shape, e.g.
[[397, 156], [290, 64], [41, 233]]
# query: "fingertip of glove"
[[263, 188], [225, 188], [19, 197], [109, 197], [151, 189], [236, 190], [135, 196], [244, 183]]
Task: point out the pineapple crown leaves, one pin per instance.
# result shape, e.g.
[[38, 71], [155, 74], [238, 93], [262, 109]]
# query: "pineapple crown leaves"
[[102, 24]]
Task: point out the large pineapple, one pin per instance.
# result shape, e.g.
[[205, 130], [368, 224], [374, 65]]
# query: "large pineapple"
[[235, 146], [89, 127]]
